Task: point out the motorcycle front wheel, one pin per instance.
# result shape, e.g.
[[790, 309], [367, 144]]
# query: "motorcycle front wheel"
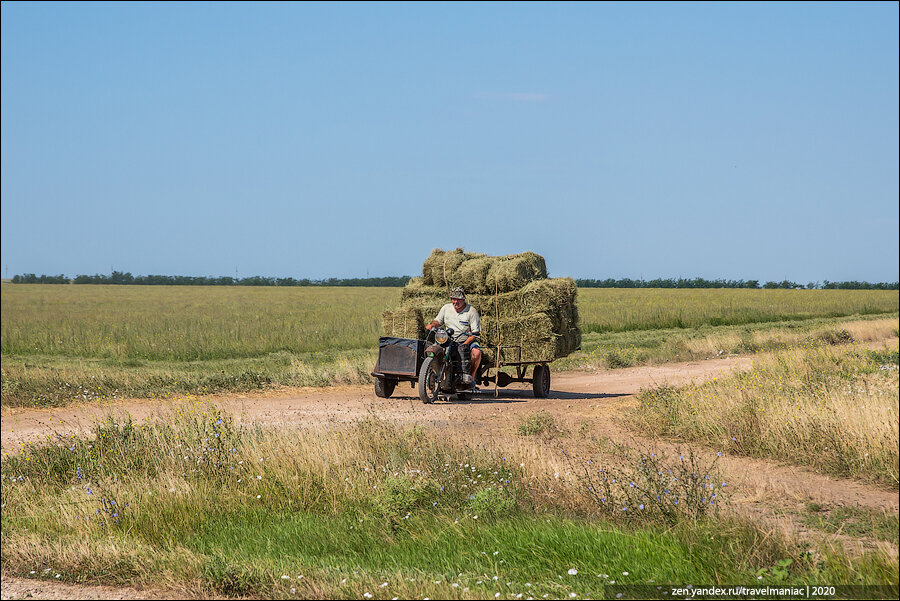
[[429, 381]]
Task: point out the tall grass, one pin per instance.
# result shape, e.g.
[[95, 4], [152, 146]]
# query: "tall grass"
[[181, 323], [834, 409], [620, 310], [195, 500], [637, 347]]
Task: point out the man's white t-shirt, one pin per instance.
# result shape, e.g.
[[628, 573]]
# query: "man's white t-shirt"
[[464, 324]]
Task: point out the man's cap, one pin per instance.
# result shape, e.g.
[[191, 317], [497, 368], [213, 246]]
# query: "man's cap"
[[457, 293]]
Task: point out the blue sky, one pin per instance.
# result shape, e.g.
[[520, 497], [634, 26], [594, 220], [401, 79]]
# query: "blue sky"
[[754, 141]]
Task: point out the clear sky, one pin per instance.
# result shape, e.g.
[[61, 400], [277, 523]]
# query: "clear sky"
[[754, 141]]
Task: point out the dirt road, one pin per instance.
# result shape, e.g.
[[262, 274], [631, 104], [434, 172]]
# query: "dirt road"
[[597, 398], [574, 394], [767, 489]]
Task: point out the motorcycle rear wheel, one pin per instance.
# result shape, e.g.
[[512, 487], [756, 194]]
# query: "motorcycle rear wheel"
[[429, 381]]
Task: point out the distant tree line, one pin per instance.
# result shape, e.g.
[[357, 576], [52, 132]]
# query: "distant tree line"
[[30, 278], [753, 284], [118, 277]]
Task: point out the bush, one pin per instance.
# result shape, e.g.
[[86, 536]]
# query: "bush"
[[647, 485], [836, 337], [494, 502], [539, 423], [400, 495]]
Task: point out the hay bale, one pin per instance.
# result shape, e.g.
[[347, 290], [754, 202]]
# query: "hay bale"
[[537, 296], [534, 297], [512, 272], [440, 268], [417, 292], [512, 294], [542, 316], [430, 310], [481, 274], [405, 322], [473, 273], [525, 329], [428, 267]]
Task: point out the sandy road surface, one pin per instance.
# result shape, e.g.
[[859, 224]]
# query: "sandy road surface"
[[24, 588], [573, 394]]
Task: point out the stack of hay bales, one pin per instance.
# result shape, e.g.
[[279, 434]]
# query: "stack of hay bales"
[[518, 304]]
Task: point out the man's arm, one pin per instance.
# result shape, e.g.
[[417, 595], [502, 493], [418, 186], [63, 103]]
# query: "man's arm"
[[474, 326], [437, 320]]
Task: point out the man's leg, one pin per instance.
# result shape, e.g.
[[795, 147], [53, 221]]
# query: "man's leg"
[[476, 361]]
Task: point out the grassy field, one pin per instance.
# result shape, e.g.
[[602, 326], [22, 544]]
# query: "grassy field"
[[188, 323], [620, 310], [77, 343], [834, 409], [374, 510]]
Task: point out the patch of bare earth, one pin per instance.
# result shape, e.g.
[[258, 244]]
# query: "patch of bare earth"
[[27, 588]]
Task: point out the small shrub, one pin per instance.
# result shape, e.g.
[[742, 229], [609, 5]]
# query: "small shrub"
[[492, 501], [834, 337], [618, 358], [649, 486], [400, 495], [232, 580], [541, 423], [885, 358]]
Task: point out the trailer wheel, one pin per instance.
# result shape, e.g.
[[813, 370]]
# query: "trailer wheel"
[[541, 381], [429, 381], [384, 388]]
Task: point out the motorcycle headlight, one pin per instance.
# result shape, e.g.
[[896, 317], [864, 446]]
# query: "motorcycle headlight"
[[441, 337]]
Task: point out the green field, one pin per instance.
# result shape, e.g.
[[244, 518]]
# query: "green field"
[[618, 310], [62, 343]]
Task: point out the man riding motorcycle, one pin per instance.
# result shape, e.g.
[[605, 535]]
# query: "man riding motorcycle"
[[465, 322]]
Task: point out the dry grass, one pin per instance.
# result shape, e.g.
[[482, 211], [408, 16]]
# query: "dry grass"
[[196, 501], [834, 408], [748, 341]]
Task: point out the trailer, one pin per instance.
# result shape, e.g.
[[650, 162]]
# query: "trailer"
[[401, 359]]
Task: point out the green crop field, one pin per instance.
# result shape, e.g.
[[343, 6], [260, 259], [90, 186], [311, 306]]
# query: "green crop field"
[[188, 323], [63, 342], [618, 310]]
